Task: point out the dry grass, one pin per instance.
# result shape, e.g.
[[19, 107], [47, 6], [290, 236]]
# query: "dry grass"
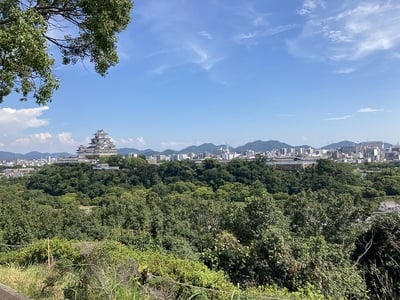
[[28, 281]]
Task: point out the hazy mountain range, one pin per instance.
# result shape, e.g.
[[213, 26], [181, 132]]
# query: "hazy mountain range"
[[258, 146]]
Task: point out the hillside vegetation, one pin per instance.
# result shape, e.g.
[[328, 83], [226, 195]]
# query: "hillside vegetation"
[[181, 230]]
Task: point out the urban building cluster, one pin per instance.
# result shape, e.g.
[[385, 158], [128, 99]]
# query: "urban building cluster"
[[358, 153], [101, 145]]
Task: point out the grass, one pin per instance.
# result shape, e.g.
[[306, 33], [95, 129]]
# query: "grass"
[[28, 281]]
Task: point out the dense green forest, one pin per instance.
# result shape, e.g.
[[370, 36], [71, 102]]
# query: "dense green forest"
[[209, 230]]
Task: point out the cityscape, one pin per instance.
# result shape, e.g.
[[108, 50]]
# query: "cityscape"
[[199, 149], [285, 158]]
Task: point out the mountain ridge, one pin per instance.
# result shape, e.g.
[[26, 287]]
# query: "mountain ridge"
[[257, 146]]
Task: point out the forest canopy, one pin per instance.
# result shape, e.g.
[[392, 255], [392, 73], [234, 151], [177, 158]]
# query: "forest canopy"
[[261, 227]]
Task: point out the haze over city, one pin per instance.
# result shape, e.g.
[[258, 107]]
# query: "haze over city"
[[190, 72]]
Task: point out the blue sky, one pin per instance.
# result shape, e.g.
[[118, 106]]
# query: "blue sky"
[[228, 72]]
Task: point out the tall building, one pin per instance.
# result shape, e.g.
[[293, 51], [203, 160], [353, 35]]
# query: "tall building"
[[99, 146]]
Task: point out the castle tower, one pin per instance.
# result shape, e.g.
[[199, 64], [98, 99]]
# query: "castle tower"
[[99, 146]]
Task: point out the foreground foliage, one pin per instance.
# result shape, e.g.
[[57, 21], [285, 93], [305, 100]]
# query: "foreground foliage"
[[80, 29], [109, 270]]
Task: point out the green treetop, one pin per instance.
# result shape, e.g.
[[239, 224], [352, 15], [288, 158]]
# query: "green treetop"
[[28, 28]]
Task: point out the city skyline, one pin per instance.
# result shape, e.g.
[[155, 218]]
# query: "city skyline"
[[311, 72], [269, 145]]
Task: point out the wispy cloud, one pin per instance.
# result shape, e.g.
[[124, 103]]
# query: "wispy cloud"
[[339, 118], [347, 30], [257, 26], [132, 142], [309, 6], [246, 36], [176, 29], [141, 141], [206, 34], [174, 144], [345, 70], [369, 110], [396, 55], [253, 16], [203, 58], [252, 36], [160, 70]]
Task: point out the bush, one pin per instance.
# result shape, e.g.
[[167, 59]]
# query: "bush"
[[44, 251]]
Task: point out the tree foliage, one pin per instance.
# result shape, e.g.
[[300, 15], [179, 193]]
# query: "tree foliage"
[[266, 229], [378, 254], [79, 29]]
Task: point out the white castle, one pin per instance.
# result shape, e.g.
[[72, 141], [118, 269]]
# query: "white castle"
[[99, 146]]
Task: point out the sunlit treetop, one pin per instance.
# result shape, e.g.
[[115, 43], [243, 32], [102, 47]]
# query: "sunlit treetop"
[[80, 29]]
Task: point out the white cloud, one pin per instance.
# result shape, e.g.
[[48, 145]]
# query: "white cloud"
[[14, 123], [14, 120], [348, 30], [34, 139], [339, 118], [23, 141], [40, 141], [369, 110], [65, 138], [41, 137], [142, 142]]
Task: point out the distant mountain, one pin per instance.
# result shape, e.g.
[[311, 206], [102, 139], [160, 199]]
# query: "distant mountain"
[[349, 144], [31, 155], [261, 146], [203, 148], [45, 155], [258, 146], [339, 145], [126, 151], [146, 152], [208, 147], [4, 155], [388, 145]]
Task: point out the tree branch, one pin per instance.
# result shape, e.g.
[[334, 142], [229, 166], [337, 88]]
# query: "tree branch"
[[366, 249]]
